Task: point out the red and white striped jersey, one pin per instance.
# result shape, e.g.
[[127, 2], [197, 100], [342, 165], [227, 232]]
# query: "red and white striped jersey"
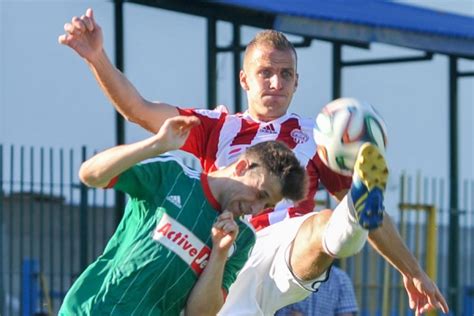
[[221, 138]]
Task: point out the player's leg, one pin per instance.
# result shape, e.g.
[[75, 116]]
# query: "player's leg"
[[323, 237]]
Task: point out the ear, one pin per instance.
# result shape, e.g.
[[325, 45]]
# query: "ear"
[[243, 80], [241, 167]]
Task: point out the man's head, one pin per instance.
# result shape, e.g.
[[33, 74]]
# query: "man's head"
[[269, 75], [266, 173]]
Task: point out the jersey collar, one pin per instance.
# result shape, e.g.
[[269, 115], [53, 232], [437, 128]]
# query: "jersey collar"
[[246, 115], [207, 192]]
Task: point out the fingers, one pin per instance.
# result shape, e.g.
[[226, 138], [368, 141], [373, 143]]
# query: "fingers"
[[417, 311], [184, 123], [441, 302], [88, 23], [62, 39], [70, 32], [435, 301], [78, 26], [90, 15], [225, 222], [190, 121], [424, 295]]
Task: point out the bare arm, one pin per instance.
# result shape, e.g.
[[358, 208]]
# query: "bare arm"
[[423, 293], [85, 37], [99, 170], [126, 99], [206, 297]]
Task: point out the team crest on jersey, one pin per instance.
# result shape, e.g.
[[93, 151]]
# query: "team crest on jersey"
[[299, 136], [180, 240]]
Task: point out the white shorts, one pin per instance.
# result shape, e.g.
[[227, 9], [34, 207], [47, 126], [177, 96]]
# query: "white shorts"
[[265, 284]]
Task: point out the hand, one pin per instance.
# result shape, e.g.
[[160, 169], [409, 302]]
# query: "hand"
[[83, 35], [424, 295], [174, 132], [224, 232]]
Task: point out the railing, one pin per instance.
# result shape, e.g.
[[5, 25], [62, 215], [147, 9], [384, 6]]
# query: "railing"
[[51, 227]]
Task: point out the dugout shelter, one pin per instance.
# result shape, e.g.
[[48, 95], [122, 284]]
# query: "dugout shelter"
[[356, 23]]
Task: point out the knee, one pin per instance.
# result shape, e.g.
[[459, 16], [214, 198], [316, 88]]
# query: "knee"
[[321, 218]]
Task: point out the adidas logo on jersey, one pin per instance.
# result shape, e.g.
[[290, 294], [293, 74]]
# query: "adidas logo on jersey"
[[269, 129], [175, 199]]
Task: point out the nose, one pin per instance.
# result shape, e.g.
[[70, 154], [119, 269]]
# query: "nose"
[[276, 82]]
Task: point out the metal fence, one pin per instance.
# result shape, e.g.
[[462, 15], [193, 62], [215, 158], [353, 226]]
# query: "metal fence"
[[423, 223], [52, 227]]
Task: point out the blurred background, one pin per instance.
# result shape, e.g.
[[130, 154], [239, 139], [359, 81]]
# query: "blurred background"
[[53, 115]]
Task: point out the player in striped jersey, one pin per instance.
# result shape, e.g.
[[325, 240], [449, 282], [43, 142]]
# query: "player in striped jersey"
[[163, 254], [269, 77]]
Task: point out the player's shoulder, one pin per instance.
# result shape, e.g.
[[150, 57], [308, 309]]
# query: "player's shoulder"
[[219, 112], [171, 163], [302, 120]]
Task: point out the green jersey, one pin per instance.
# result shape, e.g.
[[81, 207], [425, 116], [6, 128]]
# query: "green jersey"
[[160, 247]]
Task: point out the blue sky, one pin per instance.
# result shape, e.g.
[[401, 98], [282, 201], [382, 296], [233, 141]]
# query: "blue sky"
[[48, 96]]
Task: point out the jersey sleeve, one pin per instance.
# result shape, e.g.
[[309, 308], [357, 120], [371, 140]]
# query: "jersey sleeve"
[[333, 182], [198, 140], [243, 246], [142, 180]]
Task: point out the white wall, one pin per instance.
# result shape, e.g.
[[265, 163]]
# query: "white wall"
[[48, 97]]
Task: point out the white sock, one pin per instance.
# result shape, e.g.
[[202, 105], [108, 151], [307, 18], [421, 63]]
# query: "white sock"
[[343, 236]]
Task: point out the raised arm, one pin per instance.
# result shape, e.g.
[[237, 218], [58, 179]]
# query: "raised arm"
[[99, 170], [422, 292], [206, 297], [85, 37]]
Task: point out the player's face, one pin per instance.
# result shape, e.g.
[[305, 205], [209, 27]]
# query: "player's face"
[[269, 77], [252, 192]]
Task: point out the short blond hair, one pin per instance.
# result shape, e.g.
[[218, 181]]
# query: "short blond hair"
[[272, 39]]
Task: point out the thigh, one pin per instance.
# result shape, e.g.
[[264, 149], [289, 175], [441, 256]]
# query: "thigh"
[[307, 259]]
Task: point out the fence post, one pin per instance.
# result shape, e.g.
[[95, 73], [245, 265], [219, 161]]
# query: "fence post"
[[2, 291], [83, 220]]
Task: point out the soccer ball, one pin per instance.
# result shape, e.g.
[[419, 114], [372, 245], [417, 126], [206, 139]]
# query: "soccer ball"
[[342, 126]]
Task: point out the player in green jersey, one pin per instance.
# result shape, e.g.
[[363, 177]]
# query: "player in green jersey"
[[175, 239]]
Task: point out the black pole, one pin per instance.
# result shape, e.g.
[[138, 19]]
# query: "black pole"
[[336, 93], [2, 290], [336, 70], [453, 258], [119, 121], [83, 220], [211, 63], [336, 85], [237, 60]]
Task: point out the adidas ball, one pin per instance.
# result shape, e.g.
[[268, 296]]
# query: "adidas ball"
[[342, 126]]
